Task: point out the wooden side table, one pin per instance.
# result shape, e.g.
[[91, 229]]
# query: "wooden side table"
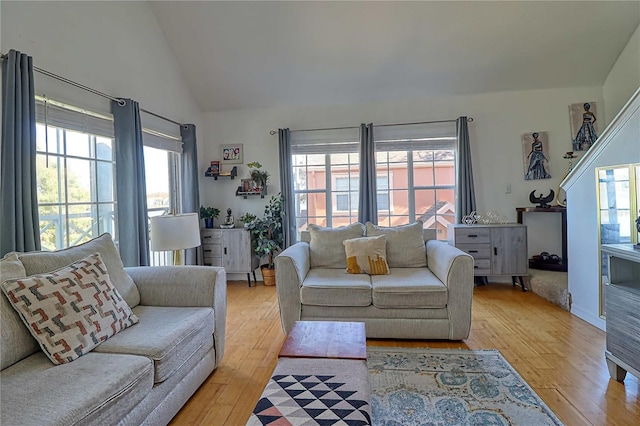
[[564, 264]]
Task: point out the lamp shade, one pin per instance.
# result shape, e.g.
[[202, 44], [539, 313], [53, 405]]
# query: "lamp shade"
[[175, 232]]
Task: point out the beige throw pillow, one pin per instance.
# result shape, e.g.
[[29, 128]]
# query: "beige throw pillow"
[[325, 246], [72, 310], [367, 255], [16, 342], [405, 244]]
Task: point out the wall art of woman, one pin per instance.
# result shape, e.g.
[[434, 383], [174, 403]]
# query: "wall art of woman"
[[537, 160], [586, 135]]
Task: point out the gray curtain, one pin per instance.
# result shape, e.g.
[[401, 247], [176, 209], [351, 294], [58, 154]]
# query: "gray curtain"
[[466, 199], [190, 192], [286, 186], [131, 192], [19, 223], [368, 202]]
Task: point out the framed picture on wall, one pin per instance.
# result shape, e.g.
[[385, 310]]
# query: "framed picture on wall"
[[231, 153], [584, 126], [535, 148]]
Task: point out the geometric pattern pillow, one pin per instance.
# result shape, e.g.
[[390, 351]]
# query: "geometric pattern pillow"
[[367, 255], [71, 310]]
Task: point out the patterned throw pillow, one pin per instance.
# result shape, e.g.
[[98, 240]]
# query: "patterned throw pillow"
[[367, 255], [405, 244], [72, 310]]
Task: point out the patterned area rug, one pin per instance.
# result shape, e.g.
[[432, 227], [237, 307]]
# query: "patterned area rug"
[[420, 386]]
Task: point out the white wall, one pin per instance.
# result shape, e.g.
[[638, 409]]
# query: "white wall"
[[500, 119], [624, 77], [584, 258], [114, 47]]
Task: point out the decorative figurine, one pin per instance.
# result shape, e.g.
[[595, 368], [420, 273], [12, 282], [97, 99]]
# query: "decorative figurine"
[[542, 200], [229, 222]]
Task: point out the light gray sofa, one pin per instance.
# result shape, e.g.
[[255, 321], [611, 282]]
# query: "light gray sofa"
[[143, 374], [432, 301]]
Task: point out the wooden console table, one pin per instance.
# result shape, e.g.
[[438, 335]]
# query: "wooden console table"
[[563, 265]]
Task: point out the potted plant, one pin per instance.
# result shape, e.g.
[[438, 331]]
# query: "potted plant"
[[208, 214], [259, 177], [247, 218], [268, 235]]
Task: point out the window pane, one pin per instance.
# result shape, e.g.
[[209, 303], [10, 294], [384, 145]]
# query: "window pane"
[[425, 200], [398, 157], [53, 145], [442, 155], [445, 172], [106, 218], [342, 201], [104, 149], [316, 205], [82, 222], [104, 176], [400, 201], [78, 144], [79, 180], [423, 174], [51, 227], [156, 165], [423, 155], [51, 188]]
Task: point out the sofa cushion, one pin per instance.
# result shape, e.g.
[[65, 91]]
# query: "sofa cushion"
[[405, 244], [71, 310], [94, 389], [367, 255], [333, 287], [16, 342], [325, 247], [166, 335], [408, 288], [39, 262]]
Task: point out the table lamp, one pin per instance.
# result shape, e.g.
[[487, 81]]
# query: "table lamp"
[[175, 232]]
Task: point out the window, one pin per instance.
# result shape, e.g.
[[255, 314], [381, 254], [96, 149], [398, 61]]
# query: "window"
[[348, 200], [419, 162], [324, 162], [415, 175], [75, 174]]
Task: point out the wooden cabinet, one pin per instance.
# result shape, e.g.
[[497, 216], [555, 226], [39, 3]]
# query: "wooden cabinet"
[[622, 299], [496, 249], [230, 248]]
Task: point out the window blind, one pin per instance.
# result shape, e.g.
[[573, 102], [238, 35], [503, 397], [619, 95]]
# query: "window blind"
[[404, 137], [72, 118], [335, 141]]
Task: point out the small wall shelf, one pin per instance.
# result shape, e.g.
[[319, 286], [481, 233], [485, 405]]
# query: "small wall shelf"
[[245, 194], [231, 174]]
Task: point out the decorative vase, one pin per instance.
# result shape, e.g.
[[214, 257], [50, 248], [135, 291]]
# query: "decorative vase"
[[208, 222], [268, 275]]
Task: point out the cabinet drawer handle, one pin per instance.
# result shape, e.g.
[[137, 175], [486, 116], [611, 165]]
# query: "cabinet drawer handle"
[[208, 251], [495, 251], [207, 264], [225, 250], [475, 267], [473, 236], [473, 251], [207, 237]]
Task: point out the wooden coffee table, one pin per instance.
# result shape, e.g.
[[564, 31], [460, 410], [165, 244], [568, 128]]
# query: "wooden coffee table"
[[326, 339]]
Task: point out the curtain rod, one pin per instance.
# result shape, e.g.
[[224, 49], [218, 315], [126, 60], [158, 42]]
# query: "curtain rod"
[[469, 119], [91, 90]]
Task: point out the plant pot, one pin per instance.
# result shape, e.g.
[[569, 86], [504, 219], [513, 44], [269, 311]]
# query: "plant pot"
[[208, 222], [268, 275]]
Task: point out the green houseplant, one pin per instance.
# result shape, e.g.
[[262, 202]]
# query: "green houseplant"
[[208, 214], [259, 177], [247, 218], [268, 235]]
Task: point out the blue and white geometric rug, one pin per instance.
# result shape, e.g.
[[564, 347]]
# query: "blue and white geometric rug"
[[422, 386]]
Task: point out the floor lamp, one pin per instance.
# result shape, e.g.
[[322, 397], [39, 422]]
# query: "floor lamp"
[[175, 232]]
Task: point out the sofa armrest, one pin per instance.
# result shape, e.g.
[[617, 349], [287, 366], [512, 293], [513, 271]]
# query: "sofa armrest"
[[292, 266], [455, 269], [188, 286]]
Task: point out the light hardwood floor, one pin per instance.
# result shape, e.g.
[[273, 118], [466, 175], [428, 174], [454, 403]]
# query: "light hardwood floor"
[[558, 354]]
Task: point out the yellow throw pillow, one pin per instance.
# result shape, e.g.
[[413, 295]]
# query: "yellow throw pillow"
[[367, 255]]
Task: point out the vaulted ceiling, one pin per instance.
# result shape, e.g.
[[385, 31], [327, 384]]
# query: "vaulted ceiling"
[[238, 55]]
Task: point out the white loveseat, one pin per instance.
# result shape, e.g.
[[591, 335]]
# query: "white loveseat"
[[426, 295], [143, 374]]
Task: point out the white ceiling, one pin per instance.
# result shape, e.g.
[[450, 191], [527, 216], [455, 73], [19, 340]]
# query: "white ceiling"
[[238, 55]]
